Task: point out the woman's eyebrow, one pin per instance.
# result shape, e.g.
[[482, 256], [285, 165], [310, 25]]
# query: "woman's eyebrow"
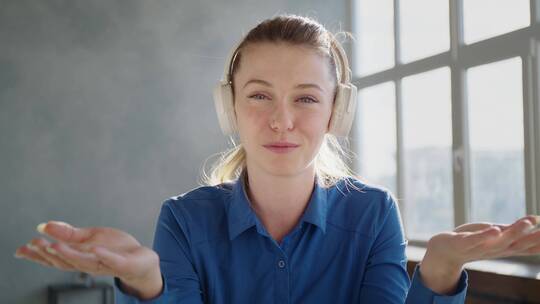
[[309, 85], [268, 84], [259, 81]]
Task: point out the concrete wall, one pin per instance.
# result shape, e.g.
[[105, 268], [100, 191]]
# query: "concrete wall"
[[106, 111]]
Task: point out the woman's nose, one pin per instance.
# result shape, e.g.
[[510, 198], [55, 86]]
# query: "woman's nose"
[[281, 118]]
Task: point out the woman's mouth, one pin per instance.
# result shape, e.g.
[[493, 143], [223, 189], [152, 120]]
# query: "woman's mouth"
[[281, 147]]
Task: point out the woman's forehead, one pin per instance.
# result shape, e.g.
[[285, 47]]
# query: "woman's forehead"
[[271, 53], [276, 60]]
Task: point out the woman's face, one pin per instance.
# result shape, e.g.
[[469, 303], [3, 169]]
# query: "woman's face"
[[283, 102]]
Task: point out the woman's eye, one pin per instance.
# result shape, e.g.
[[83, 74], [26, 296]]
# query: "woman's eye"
[[307, 100], [257, 96]]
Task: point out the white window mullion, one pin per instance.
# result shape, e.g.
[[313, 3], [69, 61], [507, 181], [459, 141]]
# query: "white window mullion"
[[399, 120], [529, 92], [460, 147]]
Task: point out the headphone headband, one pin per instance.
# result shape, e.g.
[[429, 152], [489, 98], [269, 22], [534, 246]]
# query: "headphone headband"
[[227, 77], [343, 62]]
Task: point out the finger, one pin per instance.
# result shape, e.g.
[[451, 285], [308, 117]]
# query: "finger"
[[87, 248], [472, 227], [26, 253], [479, 238], [530, 240], [517, 230], [75, 252], [535, 219], [84, 261], [533, 250], [503, 227], [39, 247], [64, 232], [521, 227]]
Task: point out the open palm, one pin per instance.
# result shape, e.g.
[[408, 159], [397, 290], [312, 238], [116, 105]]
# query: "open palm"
[[478, 241], [94, 250]]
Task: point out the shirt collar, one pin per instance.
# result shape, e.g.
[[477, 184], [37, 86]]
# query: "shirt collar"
[[241, 217], [317, 208]]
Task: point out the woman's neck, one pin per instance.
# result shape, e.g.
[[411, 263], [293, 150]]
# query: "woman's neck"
[[279, 201]]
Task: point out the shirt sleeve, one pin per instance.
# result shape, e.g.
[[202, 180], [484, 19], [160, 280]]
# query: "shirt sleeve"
[[180, 280], [419, 293]]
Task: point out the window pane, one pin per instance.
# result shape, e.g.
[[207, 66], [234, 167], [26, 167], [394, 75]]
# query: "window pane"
[[375, 28], [483, 19], [427, 140], [424, 28], [495, 103], [377, 131]]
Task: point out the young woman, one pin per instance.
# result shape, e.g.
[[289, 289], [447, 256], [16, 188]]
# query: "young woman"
[[282, 220]]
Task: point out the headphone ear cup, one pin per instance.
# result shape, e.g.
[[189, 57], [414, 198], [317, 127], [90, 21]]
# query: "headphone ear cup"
[[224, 103], [344, 110]]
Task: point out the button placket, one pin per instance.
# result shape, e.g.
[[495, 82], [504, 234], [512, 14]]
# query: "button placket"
[[282, 279]]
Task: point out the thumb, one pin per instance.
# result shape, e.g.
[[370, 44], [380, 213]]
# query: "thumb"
[[476, 227], [472, 227], [62, 231]]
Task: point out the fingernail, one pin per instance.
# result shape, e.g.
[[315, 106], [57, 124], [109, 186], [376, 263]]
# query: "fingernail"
[[529, 229], [51, 250], [537, 218], [17, 255], [32, 247], [41, 228], [62, 223]]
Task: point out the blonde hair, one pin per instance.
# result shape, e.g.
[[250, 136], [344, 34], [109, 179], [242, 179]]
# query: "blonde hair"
[[330, 165]]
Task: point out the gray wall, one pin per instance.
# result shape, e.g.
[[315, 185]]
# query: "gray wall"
[[106, 110]]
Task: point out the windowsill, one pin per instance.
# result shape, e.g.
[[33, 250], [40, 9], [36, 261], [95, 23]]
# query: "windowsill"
[[501, 267]]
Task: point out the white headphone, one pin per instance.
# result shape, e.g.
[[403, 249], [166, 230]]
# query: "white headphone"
[[344, 102]]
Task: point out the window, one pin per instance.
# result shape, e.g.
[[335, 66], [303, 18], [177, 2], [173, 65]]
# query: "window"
[[375, 51], [427, 142], [424, 28], [488, 18], [377, 115], [495, 106], [461, 87]]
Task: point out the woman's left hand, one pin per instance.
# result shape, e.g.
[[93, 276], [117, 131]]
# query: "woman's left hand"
[[447, 252]]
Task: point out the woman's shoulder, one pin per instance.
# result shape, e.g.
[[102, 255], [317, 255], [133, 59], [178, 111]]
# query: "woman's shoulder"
[[205, 192], [200, 212], [201, 197], [360, 190], [355, 205]]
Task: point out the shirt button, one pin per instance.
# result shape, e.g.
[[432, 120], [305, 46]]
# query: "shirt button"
[[281, 264]]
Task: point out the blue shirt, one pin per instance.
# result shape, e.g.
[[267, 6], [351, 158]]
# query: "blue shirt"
[[348, 247]]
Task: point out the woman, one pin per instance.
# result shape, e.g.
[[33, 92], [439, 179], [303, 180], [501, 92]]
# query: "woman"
[[283, 220]]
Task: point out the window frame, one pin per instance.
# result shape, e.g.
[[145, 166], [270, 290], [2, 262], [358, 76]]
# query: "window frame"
[[524, 42]]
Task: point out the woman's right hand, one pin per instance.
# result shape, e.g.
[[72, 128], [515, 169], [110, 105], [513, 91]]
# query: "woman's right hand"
[[97, 251]]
